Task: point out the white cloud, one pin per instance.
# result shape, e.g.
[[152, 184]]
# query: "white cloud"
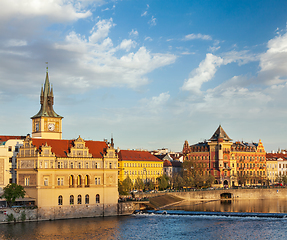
[[54, 10], [205, 72], [155, 104], [152, 22], [98, 56], [144, 14], [134, 33], [273, 62], [102, 30], [197, 36], [148, 39], [16, 43], [127, 44]]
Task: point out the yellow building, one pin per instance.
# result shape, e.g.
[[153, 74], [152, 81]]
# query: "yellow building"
[[139, 164], [67, 178], [272, 167]]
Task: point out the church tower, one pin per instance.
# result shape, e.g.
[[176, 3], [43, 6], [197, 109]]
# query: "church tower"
[[46, 123]]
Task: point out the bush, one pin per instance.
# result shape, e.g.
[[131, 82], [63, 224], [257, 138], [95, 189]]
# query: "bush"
[[10, 217], [23, 216]]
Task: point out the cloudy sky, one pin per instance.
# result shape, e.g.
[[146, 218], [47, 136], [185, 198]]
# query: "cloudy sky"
[[151, 73]]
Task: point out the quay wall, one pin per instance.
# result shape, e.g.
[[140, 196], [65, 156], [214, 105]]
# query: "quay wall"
[[65, 212], [269, 193]]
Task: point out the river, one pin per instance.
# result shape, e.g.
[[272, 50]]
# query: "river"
[[152, 226]]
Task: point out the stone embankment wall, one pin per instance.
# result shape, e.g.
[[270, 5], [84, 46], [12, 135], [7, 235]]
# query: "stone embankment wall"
[[269, 193], [65, 212]]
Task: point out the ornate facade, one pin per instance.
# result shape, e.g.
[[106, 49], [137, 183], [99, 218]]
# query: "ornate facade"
[[67, 178], [230, 163]]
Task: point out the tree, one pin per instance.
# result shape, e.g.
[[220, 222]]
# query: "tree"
[[125, 186], [139, 184], [177, 181], [11, 192], [209, 180], [162, 182]]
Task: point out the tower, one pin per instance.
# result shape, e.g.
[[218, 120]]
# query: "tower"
[[46, 123]]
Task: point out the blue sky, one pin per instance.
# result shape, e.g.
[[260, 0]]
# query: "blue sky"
[[152, 73]]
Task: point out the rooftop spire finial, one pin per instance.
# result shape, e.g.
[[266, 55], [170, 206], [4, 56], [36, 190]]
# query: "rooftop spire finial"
[[47, 67]]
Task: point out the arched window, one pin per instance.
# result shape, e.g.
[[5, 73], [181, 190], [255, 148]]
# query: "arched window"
[[71, 199], [79, 199], [87, 165], [97, 198], [87, 199], [110, 165], [71, 165], [60, 200], [87, 181], [79, 164], [79, 180], [71, 181]]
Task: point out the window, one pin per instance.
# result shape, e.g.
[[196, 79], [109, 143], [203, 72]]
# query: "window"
[[71, 165], [46, 164], [97, 198], [87, 165], [60, 164], [97, 181], [10, 149], [79, 199], [10, 160], [110, 165], [60, 200], [79, 180], [71, 181], [79, 165], [16, 149], [96, 165], [87, 181], [71, 199], [46, 181], [60, 181], [87, 200], [27, 181]]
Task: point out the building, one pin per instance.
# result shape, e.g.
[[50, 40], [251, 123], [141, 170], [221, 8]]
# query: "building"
[[9, 147], [230, 163], [67, 178], [140, 164], [272, 168]]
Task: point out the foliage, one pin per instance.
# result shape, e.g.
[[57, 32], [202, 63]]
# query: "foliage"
[[23, 216], [11, 192], [198, 181], [139, 184], [162, 182], [209, 180], [149, 185], [177, 181], [125, 186], [10, 217]]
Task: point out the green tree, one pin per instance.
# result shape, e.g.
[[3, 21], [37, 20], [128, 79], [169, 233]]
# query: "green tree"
[[139, 184], [11, 192], [209, 180], [177, 181], [162, 182], [125, 186]]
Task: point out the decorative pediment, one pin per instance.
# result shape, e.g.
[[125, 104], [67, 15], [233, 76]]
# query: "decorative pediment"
[[79, 149]]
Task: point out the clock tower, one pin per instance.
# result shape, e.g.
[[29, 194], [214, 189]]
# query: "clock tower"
[[46, 123]]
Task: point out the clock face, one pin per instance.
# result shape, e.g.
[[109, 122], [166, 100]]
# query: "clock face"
[[51, 126]]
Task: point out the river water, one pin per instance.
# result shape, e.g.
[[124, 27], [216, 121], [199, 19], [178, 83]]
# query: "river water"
[[153, 226]]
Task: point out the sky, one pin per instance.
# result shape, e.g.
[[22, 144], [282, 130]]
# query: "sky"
[[152, 74]]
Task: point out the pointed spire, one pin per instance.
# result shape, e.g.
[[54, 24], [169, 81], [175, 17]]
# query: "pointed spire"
[[47, 100], [220, 134]]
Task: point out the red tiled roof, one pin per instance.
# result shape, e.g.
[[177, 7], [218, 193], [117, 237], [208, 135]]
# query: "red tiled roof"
[[275, 156], [167, 163], [62, 147], [132, 155], [6, 138]]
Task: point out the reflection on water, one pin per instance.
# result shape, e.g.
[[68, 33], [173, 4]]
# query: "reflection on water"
[[248, 205], [164, 226]]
